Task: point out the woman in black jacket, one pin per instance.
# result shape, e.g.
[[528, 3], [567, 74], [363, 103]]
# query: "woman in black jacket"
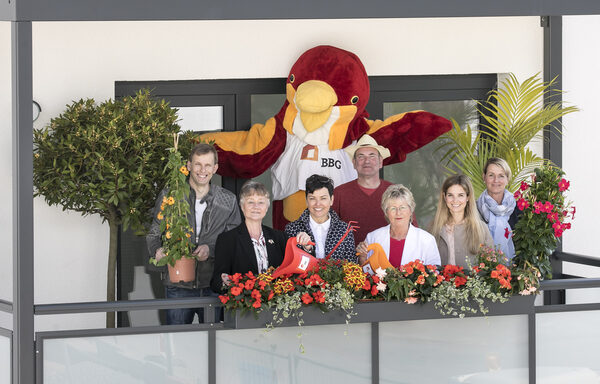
[[251, 246]]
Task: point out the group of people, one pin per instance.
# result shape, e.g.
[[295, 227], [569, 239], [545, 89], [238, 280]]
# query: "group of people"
[[382, 211]]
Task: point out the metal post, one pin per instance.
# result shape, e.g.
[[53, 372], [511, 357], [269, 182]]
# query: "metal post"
[[552, 142], [532, 362], [22, 187]]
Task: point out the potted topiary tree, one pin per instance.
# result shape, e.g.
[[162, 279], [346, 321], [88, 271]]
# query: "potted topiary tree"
[[106, 159]]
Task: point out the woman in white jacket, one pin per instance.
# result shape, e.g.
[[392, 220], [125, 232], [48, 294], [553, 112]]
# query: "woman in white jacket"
[[401, 241]]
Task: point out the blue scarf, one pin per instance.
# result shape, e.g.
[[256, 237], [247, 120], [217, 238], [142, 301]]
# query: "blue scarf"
[[496, 216]]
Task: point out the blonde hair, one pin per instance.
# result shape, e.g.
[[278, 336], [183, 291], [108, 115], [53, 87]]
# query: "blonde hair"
[[475, 227], [397, 191], [500, 163]]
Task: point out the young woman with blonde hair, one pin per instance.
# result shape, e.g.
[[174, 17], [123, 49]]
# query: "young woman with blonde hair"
[[457, 227]]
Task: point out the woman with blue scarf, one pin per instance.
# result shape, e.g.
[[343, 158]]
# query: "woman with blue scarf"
[[497, 205]]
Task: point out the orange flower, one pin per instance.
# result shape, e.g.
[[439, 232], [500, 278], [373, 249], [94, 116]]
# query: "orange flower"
[[257, 304], [160, 216], [170, 200], [184, 170], [420, 279], [224, 299], [168, 235], [307, 298], [188, 235], [235, 291]]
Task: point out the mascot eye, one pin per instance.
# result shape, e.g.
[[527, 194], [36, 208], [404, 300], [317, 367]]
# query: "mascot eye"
[[292, 78], [354, 99]]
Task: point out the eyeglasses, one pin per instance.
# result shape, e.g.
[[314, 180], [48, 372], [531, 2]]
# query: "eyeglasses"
[[400, 208]]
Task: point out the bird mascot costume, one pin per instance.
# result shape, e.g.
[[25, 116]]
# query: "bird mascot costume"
[[327, 91]]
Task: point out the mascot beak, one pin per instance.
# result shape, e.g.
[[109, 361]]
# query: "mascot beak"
[[315, 100]]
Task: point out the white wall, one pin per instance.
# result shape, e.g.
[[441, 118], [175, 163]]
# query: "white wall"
[[78, 60], [581, 62]]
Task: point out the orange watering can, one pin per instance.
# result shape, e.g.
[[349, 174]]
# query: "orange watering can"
[[295, 260], [377, 260]]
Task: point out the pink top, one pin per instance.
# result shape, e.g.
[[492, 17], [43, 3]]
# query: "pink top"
[[396, 249]]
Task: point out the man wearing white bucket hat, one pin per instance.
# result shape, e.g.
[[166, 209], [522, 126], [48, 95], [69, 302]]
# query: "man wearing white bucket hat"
[[360, 200]]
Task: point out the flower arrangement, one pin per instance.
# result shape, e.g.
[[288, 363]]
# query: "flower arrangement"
[[410, 283], [465, 292], [174, 225], [546, 215]]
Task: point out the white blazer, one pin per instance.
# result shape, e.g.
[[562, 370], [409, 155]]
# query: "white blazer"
[[419, 244]]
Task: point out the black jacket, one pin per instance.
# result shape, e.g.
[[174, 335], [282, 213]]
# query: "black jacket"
[[234, 252]]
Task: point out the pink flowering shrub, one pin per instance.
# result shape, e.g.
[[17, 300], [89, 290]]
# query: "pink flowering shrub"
[[546, 215]]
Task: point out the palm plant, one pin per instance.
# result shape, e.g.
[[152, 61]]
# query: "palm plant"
[[513, 115]]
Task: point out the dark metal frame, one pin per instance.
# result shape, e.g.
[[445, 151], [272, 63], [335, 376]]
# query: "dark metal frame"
[[90, 10], [22, 12]]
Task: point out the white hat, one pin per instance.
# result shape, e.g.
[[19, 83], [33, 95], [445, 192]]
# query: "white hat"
[[367, 141]]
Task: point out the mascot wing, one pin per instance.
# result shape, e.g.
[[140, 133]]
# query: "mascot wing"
[[407, 132], [247, 154]]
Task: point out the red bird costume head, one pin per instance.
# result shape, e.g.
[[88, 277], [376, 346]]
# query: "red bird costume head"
[[329, 89]]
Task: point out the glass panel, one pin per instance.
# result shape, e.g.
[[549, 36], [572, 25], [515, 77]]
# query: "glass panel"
[[566, 349], [426, 161], [201, 118], [469, 350], [257, 356], [6, 278], [6, 320], [152, 358], [263, 107], [5, 359]]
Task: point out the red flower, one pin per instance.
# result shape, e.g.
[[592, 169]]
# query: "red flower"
[[506, 232], [262, 284], [319, 296], [553, 217], [235, 291], [271, 294], [224, 299], [522, 204], [573, 213], [563, 185], [255, 294], [375, 279], [367, 285], [420, 279], [458, 281], [374, 290], [307, 298], [257, 304], [517, 194], [538, 207], [523, 186], [548, 207], [494, 274], [249, 284], [236, 278], [250, 275]]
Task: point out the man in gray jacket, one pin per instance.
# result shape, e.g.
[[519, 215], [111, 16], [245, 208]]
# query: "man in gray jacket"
[[213, 210]]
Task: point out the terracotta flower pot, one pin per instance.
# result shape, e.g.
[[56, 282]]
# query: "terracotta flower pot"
[[183, 271]]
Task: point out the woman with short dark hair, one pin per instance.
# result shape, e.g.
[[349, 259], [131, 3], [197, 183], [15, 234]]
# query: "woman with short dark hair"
[[321, 225]]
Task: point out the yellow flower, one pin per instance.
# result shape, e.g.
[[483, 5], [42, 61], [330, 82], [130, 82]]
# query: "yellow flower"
[[37, 156], [160, 216], [164, 200], [188, 235], [168, 226], [168, 235], [170, 200], [184, 170], [162, 207]]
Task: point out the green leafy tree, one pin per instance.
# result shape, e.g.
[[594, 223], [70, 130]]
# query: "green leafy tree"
[[513, 115], [106, 159]]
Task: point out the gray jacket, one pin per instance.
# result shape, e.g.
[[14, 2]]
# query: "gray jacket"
[[221, 215]]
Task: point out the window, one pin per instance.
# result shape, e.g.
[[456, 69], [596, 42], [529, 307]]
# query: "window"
[[236, 104]]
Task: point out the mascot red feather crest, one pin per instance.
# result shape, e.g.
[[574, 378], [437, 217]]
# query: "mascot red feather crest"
[[327, 91]]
